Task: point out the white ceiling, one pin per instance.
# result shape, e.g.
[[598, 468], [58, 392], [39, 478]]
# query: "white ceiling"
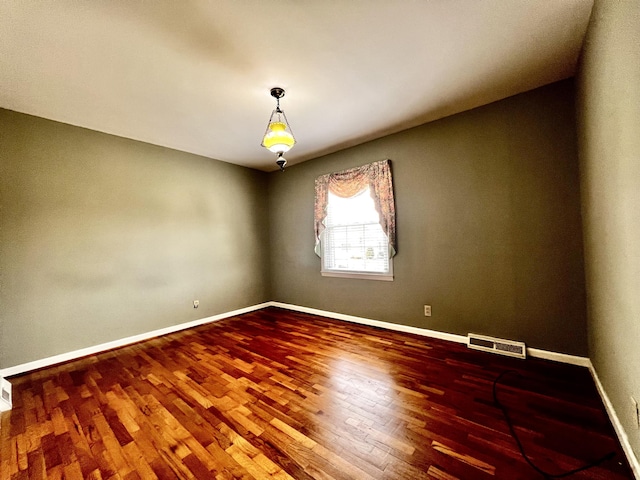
[[195, 76]]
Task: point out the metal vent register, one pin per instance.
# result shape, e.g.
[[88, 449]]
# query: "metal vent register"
[[497, 345]]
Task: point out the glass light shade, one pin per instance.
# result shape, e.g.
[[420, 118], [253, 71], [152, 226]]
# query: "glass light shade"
[[277, 139]]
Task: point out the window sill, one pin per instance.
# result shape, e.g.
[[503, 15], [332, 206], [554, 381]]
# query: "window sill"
[[387, 277]]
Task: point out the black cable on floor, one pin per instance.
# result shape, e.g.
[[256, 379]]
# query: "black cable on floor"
[[597, 462]]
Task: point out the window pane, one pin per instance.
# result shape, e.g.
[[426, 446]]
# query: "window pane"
[[353, 238]]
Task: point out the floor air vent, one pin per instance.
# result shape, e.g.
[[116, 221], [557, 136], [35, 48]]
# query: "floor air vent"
[[497, 345]]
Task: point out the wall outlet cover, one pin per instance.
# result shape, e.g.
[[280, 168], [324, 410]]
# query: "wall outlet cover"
[[5, 395]]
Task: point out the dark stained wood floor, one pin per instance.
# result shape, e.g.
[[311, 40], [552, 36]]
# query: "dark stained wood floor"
[[275, 394]]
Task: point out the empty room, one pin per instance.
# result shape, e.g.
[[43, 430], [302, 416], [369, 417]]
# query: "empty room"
[[320, 240]]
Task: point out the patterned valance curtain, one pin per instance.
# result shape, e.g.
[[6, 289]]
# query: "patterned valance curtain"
[[345, 184]]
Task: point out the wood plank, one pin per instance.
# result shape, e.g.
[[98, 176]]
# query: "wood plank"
[[463, 457], [275, 394]]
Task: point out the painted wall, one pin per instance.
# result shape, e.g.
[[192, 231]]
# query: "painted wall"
[[609, 139], [103, 238], [488, 222]]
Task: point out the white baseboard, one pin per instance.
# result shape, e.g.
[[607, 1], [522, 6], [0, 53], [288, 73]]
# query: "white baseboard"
[[451, 337], [374, 323], [83, 352], [559, 357], [617, 425]]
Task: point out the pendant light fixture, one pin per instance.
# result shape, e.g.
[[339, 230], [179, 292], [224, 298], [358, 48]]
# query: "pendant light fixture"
[[278, 138]]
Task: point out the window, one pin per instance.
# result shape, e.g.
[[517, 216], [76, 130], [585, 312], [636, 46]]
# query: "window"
[[353, 238], [355, 222]]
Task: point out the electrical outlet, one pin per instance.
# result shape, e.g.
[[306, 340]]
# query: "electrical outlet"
[[636, 412], [196, 303], [427, 310]]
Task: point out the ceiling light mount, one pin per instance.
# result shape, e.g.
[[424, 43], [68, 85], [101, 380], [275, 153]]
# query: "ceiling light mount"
[[277, 93], [278, 137]]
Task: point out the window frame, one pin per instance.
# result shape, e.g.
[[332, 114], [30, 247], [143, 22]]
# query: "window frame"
[[360, 274], [346, 184]]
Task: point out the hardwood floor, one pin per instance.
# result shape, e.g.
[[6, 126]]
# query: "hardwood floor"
[[275, 395]]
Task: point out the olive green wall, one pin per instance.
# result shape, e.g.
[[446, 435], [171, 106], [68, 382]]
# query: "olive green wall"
[[103, 238], [609, 139], [488, 222]]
